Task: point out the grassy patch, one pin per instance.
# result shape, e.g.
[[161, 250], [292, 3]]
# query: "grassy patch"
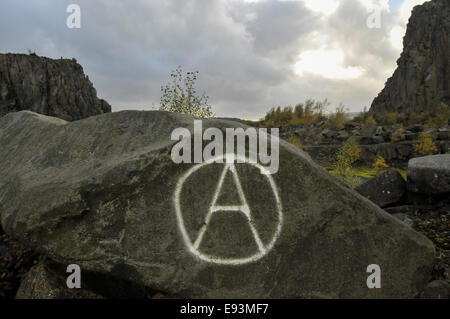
[[368, 172]]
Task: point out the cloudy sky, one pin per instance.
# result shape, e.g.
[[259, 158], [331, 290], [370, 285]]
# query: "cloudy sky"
[[251, 54]]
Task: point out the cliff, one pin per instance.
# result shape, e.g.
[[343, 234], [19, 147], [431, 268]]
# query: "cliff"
[[51, 87], [421, 78]]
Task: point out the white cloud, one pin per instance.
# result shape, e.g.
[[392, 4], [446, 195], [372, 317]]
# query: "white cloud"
[[326, 7], [328, 64], [251, 54], [370, 4], [398, 31], [406, 8], [396, 36]]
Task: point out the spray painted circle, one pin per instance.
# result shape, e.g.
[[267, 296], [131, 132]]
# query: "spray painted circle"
[[194, 247]]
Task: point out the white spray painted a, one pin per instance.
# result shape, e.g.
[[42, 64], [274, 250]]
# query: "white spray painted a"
[[194, 246]]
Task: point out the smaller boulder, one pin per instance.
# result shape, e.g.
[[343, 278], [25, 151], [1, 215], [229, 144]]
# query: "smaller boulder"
[[404, 218], [443, 135], [377, 139], [386, 189], [350, 125], [379, 130], [368, 130], [417, 128], [411, 136], [327, 133], [429, 175], [364, 140], [343, 135], [437, 289]]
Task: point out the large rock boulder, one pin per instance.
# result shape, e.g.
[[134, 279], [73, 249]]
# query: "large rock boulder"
[[420, 81], [386, 189], [429, 175], [105, 194], [52, 87]]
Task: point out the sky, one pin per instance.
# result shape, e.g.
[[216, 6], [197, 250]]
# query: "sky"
[[251, 54]]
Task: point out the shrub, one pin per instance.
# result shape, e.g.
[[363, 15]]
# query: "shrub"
[[361, 117], [353, 180], [397, 135], [425, 145], [346, 156], [439, 115], [337, 120], [180, 95], [391, 118], [304, 113], [415, 118], [370, 121], [349, 152], [380, 163]]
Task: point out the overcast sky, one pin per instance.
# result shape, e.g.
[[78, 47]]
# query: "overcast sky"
[[251, 54]]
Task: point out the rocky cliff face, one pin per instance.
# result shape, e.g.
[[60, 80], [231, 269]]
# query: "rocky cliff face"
[[56, 88], [421, 78]]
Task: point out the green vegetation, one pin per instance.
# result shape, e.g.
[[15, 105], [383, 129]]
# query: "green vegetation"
[[337, 120], [425, 145], [346, 156], [308, 112], [397, 136], [312, 111], [380, 163], [180, 95], [365, 118], [344, 167], [370, 172], [439, 115]]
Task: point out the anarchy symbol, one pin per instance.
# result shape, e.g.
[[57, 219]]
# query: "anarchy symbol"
[[244, 208]]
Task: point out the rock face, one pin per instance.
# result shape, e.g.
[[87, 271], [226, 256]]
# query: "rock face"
[[421, 79], [105, 194], [52, 87], [385, 189], [429, 175], [43, 283]]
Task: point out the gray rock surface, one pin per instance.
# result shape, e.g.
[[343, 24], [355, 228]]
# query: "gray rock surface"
[[404, 218], [421, 78], [102, 193], [429, 174], [43, 283], [51, 87], [385, 189]]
